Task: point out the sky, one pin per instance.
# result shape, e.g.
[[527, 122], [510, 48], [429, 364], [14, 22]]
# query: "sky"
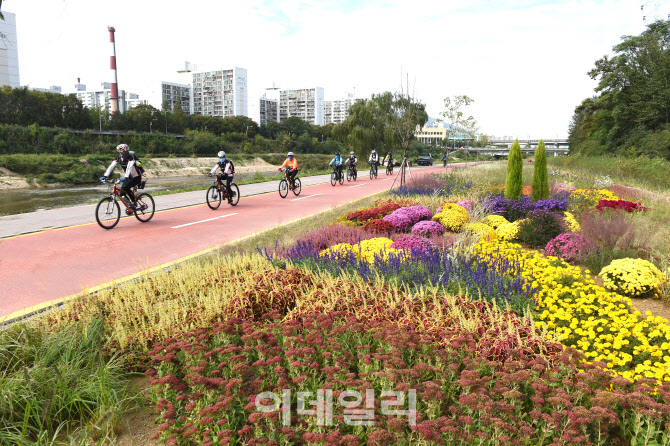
[[524, 63]]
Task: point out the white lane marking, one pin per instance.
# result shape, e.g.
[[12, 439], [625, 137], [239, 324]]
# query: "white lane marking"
[[296, 199], [384, 179], [363, 184], [202, 221]]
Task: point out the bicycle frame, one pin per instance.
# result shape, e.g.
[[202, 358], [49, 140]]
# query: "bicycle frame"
[[117, 194], [222, 188]]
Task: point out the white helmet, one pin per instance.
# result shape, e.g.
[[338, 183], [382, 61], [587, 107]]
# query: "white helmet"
[[122, 148], [290, 154], [374, 151], [352, 154], [222, 154]]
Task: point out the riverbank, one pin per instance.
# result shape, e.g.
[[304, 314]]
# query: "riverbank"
[[29, 171]]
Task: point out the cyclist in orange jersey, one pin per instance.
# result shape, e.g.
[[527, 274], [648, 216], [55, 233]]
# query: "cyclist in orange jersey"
[[292, 164]]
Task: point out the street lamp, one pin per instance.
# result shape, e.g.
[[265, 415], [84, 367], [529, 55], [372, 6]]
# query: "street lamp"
[[150, 131], [246, 132]]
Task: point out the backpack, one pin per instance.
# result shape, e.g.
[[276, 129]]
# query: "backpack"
[[138, 163]]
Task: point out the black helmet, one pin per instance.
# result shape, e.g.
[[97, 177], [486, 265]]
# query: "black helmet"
[[337, 153]]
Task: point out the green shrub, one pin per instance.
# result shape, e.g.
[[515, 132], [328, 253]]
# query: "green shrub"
[[540, 175], [514, 180]]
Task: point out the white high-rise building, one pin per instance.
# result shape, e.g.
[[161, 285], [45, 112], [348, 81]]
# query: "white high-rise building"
[[306, 104], [9, 51], [221, 93], [337, 111], [173, 92], [101, 98]]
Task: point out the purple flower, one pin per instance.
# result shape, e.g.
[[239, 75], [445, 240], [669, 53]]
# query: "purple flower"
[[467, 204], [405, 218], [413, 243], [428, 228], [571, 247]]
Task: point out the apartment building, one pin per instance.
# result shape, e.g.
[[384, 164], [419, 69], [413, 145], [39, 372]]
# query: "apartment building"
[[171, 93], [221, 93], [307, 104], [9, 51], [102, 97], [337, 111], [268, 110]]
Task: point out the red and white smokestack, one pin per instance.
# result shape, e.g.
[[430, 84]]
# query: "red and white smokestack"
[[114, 102]]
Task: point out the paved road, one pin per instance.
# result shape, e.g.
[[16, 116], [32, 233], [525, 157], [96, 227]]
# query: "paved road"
[[74, 253]]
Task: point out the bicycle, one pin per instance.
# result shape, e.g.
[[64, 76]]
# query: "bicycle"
[[373, 170], [217, 192], [389, 168], [336, 176], [351, 173], [284, 185], [108, 211]]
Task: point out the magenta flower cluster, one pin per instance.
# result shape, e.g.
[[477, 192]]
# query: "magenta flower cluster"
[[571, 247], [413, 243], [428, 228], [405, 218], [467, 204]]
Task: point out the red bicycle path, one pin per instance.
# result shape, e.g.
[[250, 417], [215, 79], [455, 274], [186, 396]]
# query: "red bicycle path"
[[41, 269]]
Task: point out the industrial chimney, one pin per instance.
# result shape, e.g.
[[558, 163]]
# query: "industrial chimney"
[[114, 99]]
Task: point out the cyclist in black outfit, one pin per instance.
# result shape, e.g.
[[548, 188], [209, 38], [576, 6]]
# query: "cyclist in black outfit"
[[132, 174], [228, 171]]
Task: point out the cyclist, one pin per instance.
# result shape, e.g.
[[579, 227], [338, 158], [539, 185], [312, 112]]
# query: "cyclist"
[[132, 176], [291, 163], [353, 160], [388, 159], [374, 158], [228, 171], [338, 164]]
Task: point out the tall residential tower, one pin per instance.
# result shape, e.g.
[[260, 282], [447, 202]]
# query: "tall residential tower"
[[9, 51], [221, 93]]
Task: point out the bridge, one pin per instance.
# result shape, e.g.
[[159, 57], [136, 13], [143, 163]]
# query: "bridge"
[[553, 146]]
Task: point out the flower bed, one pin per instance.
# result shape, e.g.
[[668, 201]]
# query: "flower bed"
[[240, 383], [373, 213], [413, 243], [452, 216], [632, 278], [428, 228], [591, 197], [571, 247], [627, 206], [605, 326]]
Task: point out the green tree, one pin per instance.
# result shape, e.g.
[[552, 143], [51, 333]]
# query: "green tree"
[[540, 175], [455, 116], [514, 180]]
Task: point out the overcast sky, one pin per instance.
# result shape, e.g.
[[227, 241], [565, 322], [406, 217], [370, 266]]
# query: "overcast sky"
[[523, 62]]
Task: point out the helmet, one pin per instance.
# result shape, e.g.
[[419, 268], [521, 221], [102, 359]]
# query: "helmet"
[[337, 154], [374, 151], [290, 154], [352, 154], [221, 154], [122, 148]]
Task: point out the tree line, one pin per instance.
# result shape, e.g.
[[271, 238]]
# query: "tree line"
[[630, 112]]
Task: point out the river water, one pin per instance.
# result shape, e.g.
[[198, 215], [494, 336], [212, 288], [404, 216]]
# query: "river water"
[[28, 200]]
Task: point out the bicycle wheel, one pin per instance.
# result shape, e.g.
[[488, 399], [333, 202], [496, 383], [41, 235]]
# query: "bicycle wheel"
[[298, 186], [341, 178], [235, 198], [283, 188], [355, 174], [372, 174], [388, 170], [348, 175], [213, 197], [333, 179], [145, 208], [107, 213]]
